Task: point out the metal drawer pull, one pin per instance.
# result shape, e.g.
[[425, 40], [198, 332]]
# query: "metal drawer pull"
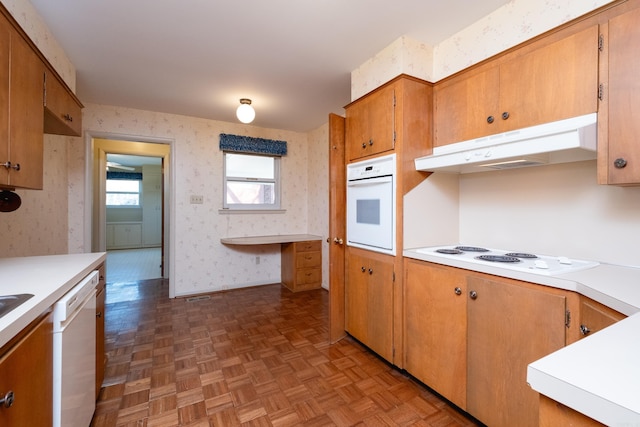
[[7, 400], [458, 291]]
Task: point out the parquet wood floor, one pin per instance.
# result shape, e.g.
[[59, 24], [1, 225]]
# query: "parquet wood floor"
[[249, 357]]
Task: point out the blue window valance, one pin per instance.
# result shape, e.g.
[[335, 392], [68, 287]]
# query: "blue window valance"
[[124, 175], [248, 144]]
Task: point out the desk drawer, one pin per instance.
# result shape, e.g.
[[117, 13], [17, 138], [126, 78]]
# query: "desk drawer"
[[310, 246], [308, 276], [308, 259]]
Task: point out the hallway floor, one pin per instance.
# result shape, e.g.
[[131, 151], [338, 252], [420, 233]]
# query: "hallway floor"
[[253, 357]]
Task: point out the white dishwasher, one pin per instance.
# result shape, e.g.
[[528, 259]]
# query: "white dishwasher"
[[74, 355]]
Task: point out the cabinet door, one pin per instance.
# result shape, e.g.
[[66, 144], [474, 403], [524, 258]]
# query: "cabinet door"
[[25, 107], [5, 48], [622, 102], [63, 115], [555, 82], [509, 326], [369, 301], [27, 371], [436, 328], [595, 317], [463, 109], [370, 124]]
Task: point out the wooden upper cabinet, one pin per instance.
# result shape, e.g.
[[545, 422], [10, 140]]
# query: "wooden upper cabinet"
[[619, 121], [24, 138], [370, 124], [5, 49], [553, 82], [462, 108], [62, 110]]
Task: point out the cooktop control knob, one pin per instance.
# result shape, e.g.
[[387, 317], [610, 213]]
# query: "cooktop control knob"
[[541, 264], [564, 260]]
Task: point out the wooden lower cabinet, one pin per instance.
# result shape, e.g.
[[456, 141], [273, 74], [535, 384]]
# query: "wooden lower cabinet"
[[554, 414], [595, 317], [470, 337], [508, 326], [301, 266], [26, 369], [436, 328], [369, 300]]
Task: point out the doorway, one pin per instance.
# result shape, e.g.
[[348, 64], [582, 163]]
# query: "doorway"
[[133, 227]]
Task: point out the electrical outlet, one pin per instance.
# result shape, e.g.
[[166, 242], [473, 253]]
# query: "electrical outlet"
[[196, 200], [257, 260]]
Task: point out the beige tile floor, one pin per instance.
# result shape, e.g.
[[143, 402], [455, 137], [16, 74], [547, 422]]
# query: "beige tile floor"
[[130, 265]]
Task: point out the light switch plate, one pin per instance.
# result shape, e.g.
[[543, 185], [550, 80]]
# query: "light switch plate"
[[196, 200]]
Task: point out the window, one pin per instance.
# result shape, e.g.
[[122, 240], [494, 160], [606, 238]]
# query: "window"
[[251, 181], [123, 193]]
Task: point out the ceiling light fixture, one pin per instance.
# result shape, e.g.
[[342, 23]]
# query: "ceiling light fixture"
[[245, 111]]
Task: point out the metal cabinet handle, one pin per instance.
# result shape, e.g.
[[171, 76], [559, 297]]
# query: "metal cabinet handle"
[[584, 330], [370, 142], [8, 165], [68, 117], [363, 269], [458, 291], [338, 240], [99, 314], [7, 400], [364, 145], [473, 295], [370, 271], [490, 119], [619, 163], [505, 115]]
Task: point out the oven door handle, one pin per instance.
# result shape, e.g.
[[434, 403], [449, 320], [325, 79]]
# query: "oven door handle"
[[370, 181]]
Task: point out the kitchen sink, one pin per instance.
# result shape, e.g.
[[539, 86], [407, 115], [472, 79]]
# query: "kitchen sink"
[[9, 302]]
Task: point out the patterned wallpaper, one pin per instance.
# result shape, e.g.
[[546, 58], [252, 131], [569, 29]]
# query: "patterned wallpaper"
[[39, 226], [25, 14], [513, 23]]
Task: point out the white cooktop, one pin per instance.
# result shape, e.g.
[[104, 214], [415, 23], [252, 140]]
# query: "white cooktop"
[[546, 265]]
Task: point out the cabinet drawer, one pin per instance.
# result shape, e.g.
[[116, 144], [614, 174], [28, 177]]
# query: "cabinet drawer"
[[309, 246], [307, 276], [308, 259], [63, 115]]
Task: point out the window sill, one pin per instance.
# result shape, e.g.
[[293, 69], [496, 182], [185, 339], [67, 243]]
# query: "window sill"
[[251, 211]]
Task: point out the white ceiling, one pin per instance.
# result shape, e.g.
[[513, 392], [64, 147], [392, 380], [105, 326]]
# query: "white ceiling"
[[293, 58]]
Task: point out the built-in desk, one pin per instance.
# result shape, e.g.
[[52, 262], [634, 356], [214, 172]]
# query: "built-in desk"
[[301, 264]]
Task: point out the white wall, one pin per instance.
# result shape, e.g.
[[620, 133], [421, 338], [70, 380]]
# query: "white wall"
[[554, 210]]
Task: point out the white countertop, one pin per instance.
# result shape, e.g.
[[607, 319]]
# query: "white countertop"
[[48, 278], [269, 240], [599, 375]]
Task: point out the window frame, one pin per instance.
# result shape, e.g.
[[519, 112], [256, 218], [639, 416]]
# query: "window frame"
[[276, 181]]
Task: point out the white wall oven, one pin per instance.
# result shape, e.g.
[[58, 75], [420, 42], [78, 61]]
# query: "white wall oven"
[[371, 204]]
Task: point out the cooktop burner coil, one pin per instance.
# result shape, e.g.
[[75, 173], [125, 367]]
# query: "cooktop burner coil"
[[521, 255], [449, 251], [498, 258], [471, 249]]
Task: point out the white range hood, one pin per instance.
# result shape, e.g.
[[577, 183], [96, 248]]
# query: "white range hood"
[[564, 141]]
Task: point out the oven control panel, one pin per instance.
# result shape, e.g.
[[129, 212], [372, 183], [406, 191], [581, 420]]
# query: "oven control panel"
[[381, 166]]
